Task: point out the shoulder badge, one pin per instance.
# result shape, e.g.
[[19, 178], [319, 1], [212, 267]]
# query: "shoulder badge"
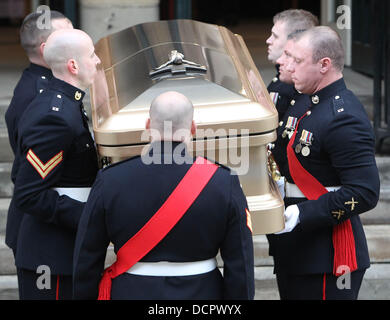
[[338, 104], [56, 102]]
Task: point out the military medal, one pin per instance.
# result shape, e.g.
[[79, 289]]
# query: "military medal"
[[290, 127], [305, 151], [306, 140], [298, 148]]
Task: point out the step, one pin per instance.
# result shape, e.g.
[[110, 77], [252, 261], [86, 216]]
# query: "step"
[[4, 204], [378, 238], [6, 185], [375, 285], [6, 153], [7, 261]]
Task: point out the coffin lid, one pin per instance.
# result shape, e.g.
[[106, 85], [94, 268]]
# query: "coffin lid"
[[217, 74]]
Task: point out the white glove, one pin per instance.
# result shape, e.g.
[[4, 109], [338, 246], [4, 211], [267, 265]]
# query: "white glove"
[[280, 184], [291, 214]]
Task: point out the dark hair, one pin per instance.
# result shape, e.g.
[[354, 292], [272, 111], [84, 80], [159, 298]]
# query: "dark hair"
[[31, 36]]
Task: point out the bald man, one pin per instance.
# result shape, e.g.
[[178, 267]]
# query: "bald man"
[[57, 164], [34, 80], [181, 264]]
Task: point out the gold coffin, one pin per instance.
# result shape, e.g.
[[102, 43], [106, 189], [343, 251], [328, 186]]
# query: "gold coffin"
[[235, 116]]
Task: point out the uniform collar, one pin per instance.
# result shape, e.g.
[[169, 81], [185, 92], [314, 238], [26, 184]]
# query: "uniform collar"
[[277, 66], [168, 147], [40, 70], [328, 91], [72, 92]]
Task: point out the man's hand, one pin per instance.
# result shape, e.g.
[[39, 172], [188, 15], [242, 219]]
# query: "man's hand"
[[291, 214]]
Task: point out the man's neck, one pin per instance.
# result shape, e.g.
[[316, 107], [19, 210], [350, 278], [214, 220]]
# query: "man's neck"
[[68, 79], [38, 62], [327, 80]]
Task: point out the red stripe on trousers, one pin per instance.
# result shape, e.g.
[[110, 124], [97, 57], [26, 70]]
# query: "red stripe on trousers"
[[58, 288], [324, 288]]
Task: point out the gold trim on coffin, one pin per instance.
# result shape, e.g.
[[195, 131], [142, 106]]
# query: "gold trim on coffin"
[[127, 58]]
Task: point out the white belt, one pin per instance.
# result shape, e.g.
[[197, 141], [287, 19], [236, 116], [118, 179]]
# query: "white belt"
[[292, 191], [79, 194], [172, 269]]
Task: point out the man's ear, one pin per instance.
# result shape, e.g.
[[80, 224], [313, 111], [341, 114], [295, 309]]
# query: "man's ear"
[[147, 124], [326, 65], [193, 127], [72, 66], [41, 48]]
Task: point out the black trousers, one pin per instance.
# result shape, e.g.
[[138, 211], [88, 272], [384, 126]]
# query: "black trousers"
[[320, 286], [56, 287]]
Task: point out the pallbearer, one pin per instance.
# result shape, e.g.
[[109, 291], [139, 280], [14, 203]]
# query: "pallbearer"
[[332, 178], [57, 166], [167, 214]]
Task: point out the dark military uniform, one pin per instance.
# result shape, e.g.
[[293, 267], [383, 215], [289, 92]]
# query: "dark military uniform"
[[55, 150], [297, 106], [34, 80], [281, 94], [341, 153], [126, 195]]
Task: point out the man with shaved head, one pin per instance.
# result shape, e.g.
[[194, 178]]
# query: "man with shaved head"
[[34, 80], [332, 178], [167, 219], [57, 164]]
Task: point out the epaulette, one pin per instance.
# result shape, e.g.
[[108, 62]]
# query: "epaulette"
[[338, 105], [120, 162], [56, 102], [42, 83]]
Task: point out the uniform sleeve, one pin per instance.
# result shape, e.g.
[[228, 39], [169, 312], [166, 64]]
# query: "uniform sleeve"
[[91, 246], [237, 248], [350, 146], [44, 146]]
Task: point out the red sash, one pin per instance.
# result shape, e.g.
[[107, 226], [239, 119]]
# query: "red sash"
[[160, 224], [343, 239]]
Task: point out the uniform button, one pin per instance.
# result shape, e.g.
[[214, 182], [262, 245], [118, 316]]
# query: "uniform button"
[[59, 96], [280, 123], [309, 113], [315, 99], [40, 90], [87, 145], [275, 79], [43, 77], [292, 102], [337, 97]]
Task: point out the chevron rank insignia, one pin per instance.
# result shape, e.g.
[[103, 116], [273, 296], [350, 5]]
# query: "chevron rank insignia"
[[44, 168], [248, 220]]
